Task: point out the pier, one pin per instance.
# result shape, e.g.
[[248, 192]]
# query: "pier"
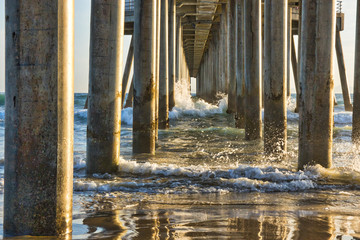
[[243, 48]]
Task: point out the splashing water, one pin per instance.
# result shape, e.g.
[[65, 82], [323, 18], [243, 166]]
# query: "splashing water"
[[186, 105]]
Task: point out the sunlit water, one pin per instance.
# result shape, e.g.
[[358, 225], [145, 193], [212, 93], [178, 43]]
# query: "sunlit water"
[[206, 182]]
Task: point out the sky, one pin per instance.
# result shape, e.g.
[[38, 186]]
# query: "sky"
[[82, 43], [82, 39]]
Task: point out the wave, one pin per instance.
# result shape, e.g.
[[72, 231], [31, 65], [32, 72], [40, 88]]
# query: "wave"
[[80, 116], [186, 105], [174, 179], [79, 100], [189, 106]]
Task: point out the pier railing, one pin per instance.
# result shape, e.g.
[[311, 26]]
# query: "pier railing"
[[129, 7], [339, 6]]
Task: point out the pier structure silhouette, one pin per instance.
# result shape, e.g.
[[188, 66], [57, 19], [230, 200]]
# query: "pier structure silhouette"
[[243, 48]]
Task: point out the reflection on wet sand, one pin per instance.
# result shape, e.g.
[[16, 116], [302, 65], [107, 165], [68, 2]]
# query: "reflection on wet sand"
[[244, 224], [152, 225], [187, 224], [105, 225], [282, 216], [316, 227], [244, 228]]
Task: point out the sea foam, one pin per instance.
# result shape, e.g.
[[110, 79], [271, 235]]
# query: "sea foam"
[[170, 178]]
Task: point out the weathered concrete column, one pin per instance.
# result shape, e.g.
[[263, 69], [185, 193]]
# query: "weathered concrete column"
[[144, 76], [203, 76], [225, 47], [213, 72], [289, 37], [216, 65], [240, 76], [356, 102], [210, 73], [164, 68], [157, 59], [198, 82], [182, 62], [205, 71], [206, 76], [294, 64], [316, 82], [298, 60], [342, 71], [172, 52], [127, 70], [275, 75], [231, 13], [221, 79], [253, 69], [39, 117], [129, 99], [178, 51], [104, 110]]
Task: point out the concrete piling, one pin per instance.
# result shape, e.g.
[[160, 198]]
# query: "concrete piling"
[[172, 52], [198, 82], [288, 42], [203, 82], [231, 14], [275, 76], [221, 81], [206, 76], [342, 71], [316, 82], [356, 107], [178, 50], [39, 118], [216, 73], [240, 77], [224, 22], [164, 68], [299, 56], [144, 77], [129, 99], [294, 64], [104, 105], [157, 70], [253, 69], [211, 93]]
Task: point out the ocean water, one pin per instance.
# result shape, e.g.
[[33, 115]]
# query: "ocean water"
[[206, 182]]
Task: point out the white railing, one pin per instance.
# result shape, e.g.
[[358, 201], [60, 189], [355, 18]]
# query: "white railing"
[[129, 6], [339, 6]]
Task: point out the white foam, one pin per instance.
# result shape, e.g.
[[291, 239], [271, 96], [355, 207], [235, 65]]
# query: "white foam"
[[79, 163], [185, 105], [80, 114], [342, 117], [244, 184], [163, 178], [2, 114], [127, 116], [1, 185]]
